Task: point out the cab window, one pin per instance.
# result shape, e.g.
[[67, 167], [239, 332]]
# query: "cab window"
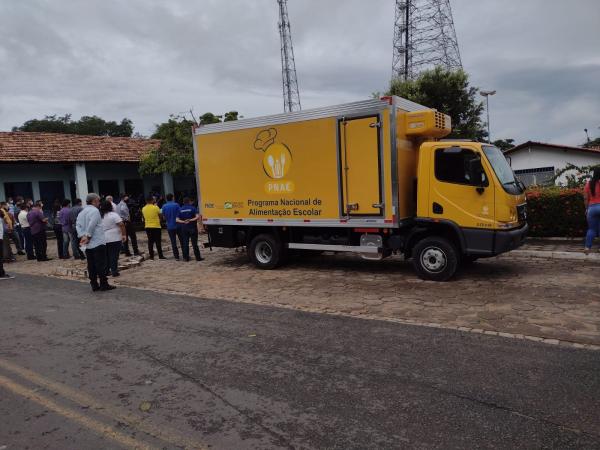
[[459, 166]]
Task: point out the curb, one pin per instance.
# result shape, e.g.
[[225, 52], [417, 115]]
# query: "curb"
[[574, 256], [124, 264], [416, 323]]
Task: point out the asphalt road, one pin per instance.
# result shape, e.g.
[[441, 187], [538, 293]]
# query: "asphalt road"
[[133, 368]]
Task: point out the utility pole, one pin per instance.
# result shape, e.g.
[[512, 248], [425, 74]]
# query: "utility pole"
[[291, 93], [424, 37]]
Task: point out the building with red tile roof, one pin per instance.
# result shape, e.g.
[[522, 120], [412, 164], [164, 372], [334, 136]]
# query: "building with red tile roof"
[[50, 166]]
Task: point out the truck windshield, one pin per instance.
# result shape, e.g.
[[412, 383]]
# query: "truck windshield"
[[502, 169]]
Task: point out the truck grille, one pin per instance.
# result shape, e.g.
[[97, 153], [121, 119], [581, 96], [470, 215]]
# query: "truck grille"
[[522, 212]]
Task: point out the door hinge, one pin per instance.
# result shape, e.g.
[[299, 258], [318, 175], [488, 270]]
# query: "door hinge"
[[352, 207]]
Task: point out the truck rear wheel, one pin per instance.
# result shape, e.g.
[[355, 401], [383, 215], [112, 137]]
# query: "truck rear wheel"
[[435, 258], [266, 251]]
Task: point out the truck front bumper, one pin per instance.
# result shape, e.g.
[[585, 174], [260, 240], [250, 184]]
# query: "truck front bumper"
[[505, 241]]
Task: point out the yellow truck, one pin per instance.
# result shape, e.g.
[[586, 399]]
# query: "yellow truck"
[[373, 177]]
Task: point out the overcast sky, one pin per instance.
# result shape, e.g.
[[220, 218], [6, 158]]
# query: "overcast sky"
[[146, 59]]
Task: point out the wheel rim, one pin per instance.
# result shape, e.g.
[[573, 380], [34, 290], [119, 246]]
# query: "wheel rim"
[[263, 252], [433, 259]]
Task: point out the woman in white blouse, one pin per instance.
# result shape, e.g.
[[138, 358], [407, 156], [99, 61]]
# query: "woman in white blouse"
[[114, 232]]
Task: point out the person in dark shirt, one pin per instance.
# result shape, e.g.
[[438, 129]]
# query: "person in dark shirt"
[[73, 213], [188, 229], [170, 211], [37, 225]]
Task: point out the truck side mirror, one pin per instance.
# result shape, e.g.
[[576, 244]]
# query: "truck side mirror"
[[476, 173]]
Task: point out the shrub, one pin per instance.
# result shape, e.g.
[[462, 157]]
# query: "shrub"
[[556, 212]]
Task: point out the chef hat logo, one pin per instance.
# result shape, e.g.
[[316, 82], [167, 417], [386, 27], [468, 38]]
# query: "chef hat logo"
[[264, 139]]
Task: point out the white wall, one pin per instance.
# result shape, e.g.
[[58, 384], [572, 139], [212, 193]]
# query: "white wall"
[[537, 157]]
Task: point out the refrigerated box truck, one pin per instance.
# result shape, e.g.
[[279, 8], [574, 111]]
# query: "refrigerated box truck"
[[371, 177]]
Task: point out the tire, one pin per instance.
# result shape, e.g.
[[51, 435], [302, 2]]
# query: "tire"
[[435, 258], [266, 252]]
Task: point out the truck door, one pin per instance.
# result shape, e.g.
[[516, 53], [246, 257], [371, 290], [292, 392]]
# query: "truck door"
[[360, 166], [461, 189]]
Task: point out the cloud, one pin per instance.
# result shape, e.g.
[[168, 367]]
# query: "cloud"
[[146, 59]]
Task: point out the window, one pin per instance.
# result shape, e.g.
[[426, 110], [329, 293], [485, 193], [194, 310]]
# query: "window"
[[537, 176], [22, 189], [459, 166]]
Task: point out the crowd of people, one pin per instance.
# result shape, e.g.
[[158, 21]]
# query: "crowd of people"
[[98, 232]]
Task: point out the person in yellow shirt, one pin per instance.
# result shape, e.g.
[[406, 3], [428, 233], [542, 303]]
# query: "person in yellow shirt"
[[152, 216]]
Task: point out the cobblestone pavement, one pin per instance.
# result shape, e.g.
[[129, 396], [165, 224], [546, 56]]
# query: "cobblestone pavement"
[[551, 299], [555, 245]]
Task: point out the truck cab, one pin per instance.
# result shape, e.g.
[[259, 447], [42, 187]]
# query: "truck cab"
[[468, 196]]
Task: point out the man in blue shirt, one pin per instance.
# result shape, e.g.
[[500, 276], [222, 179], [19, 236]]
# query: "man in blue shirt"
[[170, 211], [91, 237], [188, 222]]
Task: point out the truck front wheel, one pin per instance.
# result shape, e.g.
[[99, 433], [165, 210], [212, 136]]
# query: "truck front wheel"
[[435, 258], [265, 251]]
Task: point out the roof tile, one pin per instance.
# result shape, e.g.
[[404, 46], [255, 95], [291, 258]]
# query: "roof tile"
[[20, 146]]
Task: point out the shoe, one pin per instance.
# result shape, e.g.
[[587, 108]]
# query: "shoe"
[[151, 257], [107, 287], [128, 254], [587, 250], [162, 257], [116, 274], [6, 277], [176, 259], [31, 258], [137, 254], [20, 252], [45, 259], [186, 259], [199, 259], [95, 287]]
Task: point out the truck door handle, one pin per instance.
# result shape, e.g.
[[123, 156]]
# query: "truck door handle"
[[375, 125], [377, 205]]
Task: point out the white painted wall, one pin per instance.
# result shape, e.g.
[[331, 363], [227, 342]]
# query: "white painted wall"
[[537, 157]]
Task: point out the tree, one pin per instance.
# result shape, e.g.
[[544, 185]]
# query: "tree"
[[87, 125], [448, 92], [592, 143], [230, 116], [504, 144], [175, 154], [208, 118]]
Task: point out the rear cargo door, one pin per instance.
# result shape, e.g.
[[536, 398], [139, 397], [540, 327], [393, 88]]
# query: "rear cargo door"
[[360, 166]]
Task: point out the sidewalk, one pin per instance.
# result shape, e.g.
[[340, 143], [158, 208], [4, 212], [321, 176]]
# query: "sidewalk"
[[556, 248]]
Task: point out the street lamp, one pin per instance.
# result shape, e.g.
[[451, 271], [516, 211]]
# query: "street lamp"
[[487, 94]]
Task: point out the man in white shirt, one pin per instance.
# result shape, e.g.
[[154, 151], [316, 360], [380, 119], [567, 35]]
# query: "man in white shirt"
[[27, 239], [123, 211], [91, 235], [109, 198]]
